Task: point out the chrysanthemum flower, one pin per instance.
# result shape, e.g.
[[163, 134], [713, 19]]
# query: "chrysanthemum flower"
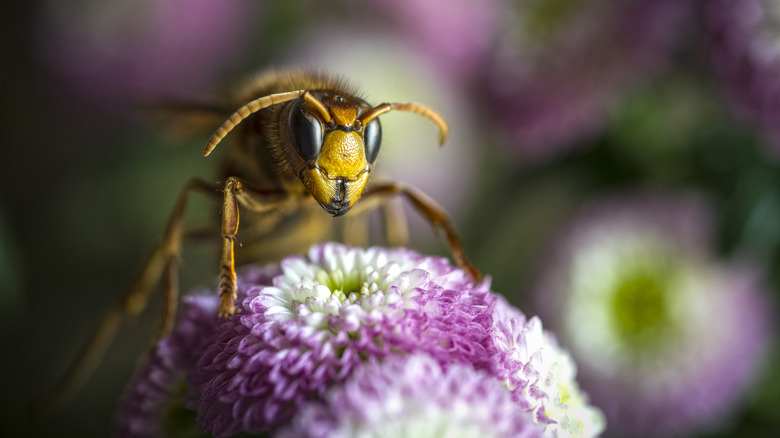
[[542, 376], [311, 325], [666, 339], [152, 404], [559, 66], [745, 46], [324, 316], [416, 397]]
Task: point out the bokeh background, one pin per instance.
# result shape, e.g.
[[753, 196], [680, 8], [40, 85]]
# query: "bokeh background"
[[554, 106]]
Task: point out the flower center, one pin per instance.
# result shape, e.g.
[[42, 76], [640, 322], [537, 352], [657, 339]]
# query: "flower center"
[[349, 286], [639, 304]]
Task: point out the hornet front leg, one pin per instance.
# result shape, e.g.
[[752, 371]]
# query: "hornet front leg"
[[239, 192]]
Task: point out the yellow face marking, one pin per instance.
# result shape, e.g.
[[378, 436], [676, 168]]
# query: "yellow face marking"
[[343, 155], [355, 189], [318, 186], [324, 189], [341, 170]]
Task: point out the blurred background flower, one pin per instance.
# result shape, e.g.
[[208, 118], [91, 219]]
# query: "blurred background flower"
[[600, 97], [548, 72], [141, 49], [455, 34], [745, 46], [667, 339], [558, 68]]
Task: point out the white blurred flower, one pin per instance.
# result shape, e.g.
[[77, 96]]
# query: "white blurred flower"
[[667, 339]]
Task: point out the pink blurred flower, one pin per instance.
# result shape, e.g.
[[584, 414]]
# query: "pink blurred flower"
[[119, 49], [745, 49], [558, 67]]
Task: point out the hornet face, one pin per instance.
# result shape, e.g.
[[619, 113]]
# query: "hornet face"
[[330, 140], [337, 150]]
